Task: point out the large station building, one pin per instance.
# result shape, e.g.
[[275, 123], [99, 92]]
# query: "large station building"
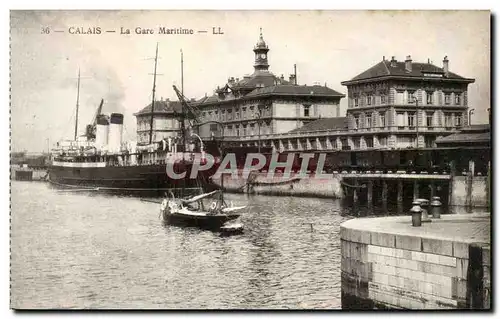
[[399, 104], [393, 104], [263, 103]]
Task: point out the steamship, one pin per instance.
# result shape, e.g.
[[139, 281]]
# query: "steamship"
[[101, 160]]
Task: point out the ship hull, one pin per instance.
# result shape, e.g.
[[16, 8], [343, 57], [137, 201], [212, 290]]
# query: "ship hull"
[[213, 222], [145, 179]]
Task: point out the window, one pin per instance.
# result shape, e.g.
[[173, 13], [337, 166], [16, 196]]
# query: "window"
[[457, 98], [356, 122], [357, 142], [229, 114], [399, 97], [429, 117], [237, 130], [447, 98], [214, 127], [447, 120], [356, 102], [210, 115], [244, 112], [430, 98], [411, 119], [382, 141], [369, 142], [368, 120], [229, 130], [383, 99], [458, 119], [306, 110], [411, 97], [252, 129], [369, 100], [400, 119], [244, 129], [381, 117]]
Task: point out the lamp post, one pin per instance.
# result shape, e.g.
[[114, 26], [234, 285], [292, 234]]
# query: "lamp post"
[[471, 111]]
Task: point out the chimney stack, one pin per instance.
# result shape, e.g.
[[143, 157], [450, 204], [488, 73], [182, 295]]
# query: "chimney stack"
[[408, 64], [292, 79], [445, 65], [393, 62]]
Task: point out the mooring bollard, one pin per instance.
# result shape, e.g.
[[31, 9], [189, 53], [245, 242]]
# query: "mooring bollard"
[[424, 204], [416, 214], [436, 207]]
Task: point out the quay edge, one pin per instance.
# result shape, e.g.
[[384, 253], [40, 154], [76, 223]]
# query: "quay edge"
[[388, 264]]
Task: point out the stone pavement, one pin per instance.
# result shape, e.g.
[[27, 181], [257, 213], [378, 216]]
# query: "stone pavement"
[[466, 228]]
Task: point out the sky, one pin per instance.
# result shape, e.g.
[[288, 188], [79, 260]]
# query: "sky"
[[327, 46]]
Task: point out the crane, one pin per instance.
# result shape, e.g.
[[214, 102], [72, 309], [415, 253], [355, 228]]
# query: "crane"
[[193, 113], [91, 128]]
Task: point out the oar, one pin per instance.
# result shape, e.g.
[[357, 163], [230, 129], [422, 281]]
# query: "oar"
[[78, 190], [151, 201]]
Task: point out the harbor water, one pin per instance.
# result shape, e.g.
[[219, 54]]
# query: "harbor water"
[[92, 250]]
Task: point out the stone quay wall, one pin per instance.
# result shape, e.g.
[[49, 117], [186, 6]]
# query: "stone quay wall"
[[294, 185], [414, 268]]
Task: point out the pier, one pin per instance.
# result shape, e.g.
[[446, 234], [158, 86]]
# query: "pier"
[[389, 264]]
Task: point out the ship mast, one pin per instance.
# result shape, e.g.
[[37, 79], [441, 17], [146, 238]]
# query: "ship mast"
[[153, 102], [77, 103], [182, 72], [183, 118]]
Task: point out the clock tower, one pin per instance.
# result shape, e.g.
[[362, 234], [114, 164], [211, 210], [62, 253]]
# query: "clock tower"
[[261, 50]]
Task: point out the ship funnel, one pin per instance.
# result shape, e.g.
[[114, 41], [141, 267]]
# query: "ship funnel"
[[102, 131], [115, 132]]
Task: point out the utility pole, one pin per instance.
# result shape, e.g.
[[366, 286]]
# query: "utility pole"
[[295, 72], [259, 121], [416, 117]]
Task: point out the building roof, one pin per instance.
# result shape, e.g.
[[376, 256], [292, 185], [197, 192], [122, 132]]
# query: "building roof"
[[398, 69], [303, 90], [258, 79], [476, 128], [468, 135], [266, 84], [162, 107], [332, 123]]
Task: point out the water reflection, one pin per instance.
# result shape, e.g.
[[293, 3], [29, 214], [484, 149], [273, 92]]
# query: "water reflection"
[[73, 250]]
